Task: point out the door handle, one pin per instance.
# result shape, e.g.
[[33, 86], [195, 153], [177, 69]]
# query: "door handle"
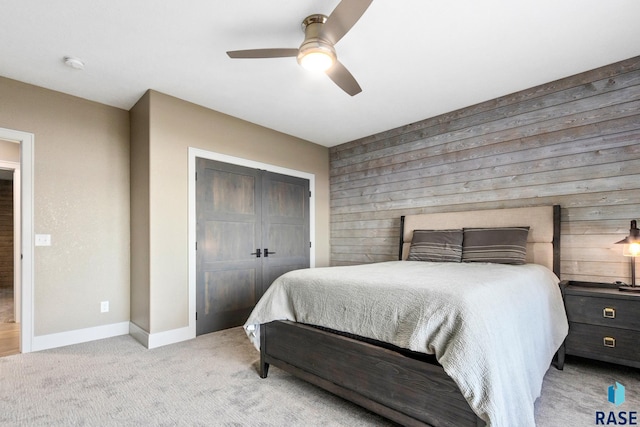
[[257, 253], [267, 253]]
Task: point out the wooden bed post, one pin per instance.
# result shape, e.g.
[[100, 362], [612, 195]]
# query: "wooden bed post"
[[401, 237], [264, 366], [556, 240]]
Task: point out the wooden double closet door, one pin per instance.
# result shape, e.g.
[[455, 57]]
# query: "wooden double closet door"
[[252, 227]]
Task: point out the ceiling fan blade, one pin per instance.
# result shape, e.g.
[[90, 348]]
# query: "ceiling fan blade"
[[343, 17], [343, 78], [262, 53]]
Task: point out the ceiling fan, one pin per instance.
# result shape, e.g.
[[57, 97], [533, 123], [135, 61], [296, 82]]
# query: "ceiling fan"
[[317, 50]]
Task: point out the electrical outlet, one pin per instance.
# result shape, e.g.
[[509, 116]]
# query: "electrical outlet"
[[104, 307]]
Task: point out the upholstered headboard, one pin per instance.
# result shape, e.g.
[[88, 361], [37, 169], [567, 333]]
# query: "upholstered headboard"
[[543, 242]]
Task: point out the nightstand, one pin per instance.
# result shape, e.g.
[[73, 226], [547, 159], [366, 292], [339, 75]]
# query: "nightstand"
[[604, 323]]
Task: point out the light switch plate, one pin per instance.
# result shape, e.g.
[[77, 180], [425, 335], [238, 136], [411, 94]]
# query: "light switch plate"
[[43, 239]]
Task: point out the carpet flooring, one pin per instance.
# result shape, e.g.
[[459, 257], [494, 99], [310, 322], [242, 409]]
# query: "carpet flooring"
[[212, 381]]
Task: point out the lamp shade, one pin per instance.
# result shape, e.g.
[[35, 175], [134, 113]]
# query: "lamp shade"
[[631, 249], [632, 241]]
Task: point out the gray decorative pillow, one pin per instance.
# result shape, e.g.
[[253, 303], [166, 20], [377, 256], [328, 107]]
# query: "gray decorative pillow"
[[436, 246], [502, 245]]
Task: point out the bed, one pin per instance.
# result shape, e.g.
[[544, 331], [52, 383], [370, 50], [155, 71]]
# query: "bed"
[[443, 372]]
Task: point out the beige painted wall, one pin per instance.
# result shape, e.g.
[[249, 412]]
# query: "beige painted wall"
[[9, 151], [174, 126], [140, 245], [81, 186]]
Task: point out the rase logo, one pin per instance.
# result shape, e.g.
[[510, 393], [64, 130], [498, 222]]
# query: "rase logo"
[[615, 395]]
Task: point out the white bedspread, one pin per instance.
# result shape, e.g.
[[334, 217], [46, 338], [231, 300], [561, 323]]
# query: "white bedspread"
[[494, 328]]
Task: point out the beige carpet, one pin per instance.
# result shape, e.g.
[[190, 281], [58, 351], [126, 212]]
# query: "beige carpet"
[[212, 381]]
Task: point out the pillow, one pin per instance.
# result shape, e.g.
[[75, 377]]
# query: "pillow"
[[502, 245], [436, 246]]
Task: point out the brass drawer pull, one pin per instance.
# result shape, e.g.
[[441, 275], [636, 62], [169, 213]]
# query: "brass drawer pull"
[[609, 342], [609, 313]]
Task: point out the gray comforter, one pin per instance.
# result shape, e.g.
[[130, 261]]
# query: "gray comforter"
[[494, 328]]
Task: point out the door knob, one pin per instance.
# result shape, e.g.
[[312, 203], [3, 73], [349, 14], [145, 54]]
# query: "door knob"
[[257, 253], [267, 253]]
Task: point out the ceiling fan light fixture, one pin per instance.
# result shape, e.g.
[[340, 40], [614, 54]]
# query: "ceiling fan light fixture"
[[317, 61], [316, 56], [317, 51]]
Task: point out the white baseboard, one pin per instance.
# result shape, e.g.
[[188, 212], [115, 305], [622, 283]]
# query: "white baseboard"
[[45, 342], [161, 338], [139, 334], [61, 339]]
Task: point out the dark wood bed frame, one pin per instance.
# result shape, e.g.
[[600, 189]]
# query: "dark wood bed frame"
[[406, 387]]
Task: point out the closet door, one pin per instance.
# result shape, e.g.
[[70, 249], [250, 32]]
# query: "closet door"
[[229, 274], [252, 226], [285, 225]]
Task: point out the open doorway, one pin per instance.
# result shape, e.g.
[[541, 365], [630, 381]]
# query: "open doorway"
[[23, 232], [10, 289]]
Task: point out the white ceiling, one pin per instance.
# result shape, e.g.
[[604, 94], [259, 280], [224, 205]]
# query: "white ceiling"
[[414, 59]]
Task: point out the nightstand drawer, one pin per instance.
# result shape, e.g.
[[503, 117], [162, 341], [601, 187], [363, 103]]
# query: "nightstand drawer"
[[603, 343], [616, 313]]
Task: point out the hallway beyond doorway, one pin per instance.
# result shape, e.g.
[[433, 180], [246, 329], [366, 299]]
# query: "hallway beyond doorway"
[[9, 329]]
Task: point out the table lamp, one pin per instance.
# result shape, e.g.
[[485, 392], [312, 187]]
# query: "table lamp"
[[631, 249]]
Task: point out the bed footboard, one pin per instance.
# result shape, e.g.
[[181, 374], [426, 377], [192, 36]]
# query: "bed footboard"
[[400, 388]]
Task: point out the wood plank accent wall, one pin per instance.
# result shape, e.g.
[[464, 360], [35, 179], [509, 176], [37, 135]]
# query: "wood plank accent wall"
[[573, 142]]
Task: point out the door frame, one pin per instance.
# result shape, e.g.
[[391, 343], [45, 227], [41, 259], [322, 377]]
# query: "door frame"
[[26, 141], [17, 284], [211, 155]]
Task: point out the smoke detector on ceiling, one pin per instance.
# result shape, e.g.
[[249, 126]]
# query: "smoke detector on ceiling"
[[73, 62]]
